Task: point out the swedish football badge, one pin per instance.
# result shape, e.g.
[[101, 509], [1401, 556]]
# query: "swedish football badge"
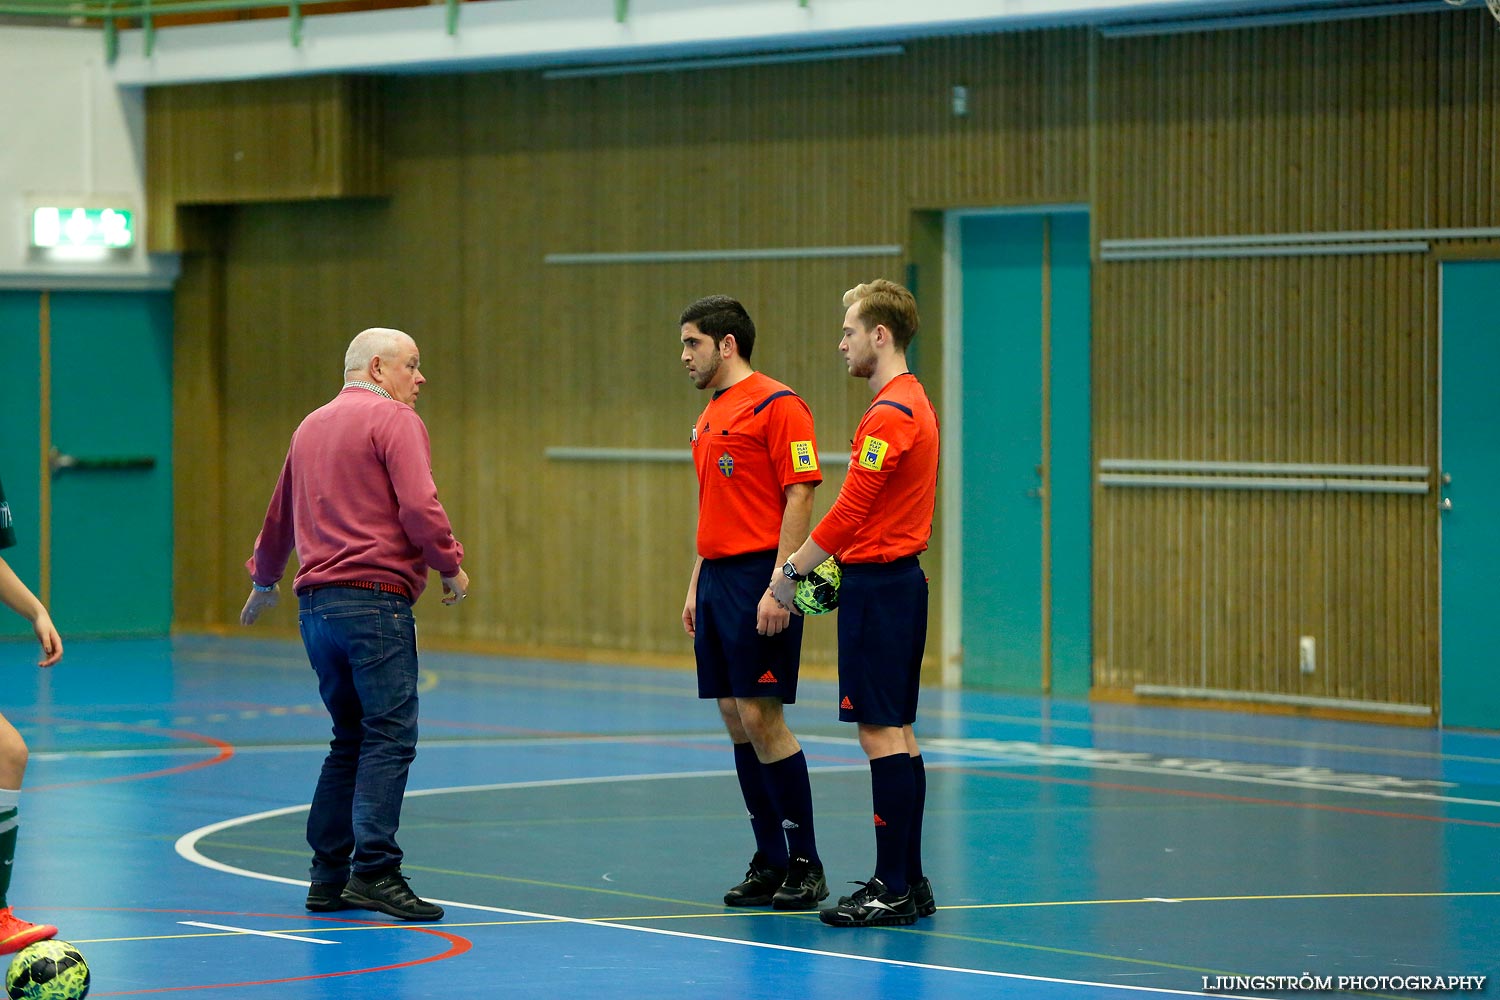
[[726, 464]]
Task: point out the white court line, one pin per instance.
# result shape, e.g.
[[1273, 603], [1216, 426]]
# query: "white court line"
[[957, 755], [246, 930], [186, 847]]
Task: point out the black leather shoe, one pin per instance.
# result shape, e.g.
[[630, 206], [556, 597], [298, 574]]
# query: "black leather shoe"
[[762, 880], [871, 906], [921, 897], [326, 897], [804, 888], [390, 895]]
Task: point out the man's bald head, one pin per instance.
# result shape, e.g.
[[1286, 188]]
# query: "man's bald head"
[[378, 341]]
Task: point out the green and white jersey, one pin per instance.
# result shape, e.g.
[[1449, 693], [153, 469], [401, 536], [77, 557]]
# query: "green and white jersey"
[[7, 529]]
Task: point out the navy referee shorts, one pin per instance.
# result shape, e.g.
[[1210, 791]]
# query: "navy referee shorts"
[[734, 660], [882, 632]]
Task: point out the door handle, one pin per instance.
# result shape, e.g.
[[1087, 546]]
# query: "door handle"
[[1446, 504], [59, 461]]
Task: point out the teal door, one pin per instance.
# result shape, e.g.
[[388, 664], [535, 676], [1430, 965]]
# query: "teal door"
[[20, 459], [106, 563], [1469, 457], [1026, 473]]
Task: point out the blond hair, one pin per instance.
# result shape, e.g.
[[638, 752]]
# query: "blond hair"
[[885, 303]]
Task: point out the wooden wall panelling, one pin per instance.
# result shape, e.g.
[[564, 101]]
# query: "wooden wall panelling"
[[265, 140], [1252, 375], [199, 599], [1332, 126], [1354, 125]]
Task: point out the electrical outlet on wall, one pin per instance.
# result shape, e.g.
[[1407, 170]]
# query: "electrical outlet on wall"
[[1307, 654], [960, 101]]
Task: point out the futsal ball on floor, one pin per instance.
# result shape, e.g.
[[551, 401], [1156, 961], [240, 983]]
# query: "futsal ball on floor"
[[819, 593], [48, 970]]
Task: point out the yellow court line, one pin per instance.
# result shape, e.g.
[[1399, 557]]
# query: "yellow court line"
[[513, 880], [1214, 899], [713, 910], [1161, 900]]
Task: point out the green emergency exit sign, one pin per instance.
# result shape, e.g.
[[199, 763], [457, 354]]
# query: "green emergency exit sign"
[[105, 228]]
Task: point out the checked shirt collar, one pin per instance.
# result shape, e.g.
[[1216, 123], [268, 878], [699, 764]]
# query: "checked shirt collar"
[[369, 385]]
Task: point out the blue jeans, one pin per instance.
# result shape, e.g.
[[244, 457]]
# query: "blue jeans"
[[363, 646]]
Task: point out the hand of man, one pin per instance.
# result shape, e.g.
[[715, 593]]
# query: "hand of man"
[[455, 587], [257, 602], [785, 591], [46, 634], [771, 615]]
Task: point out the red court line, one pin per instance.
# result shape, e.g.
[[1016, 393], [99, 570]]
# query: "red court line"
[[1221, 797], [457, 946], [226, 751]]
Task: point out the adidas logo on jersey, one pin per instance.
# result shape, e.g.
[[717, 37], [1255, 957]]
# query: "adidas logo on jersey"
[[846, 704], [878, 820], [767, 678]]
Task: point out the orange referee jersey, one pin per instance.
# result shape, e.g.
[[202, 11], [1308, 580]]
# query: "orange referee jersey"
[[751, 441], [885, 509]]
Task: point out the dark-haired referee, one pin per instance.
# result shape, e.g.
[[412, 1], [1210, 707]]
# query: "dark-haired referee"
[[757, 464], [881, 520]]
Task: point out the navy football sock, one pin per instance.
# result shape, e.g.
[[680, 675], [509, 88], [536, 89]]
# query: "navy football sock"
[[792, 791], [893, 791], [764, 819], [914, 837]]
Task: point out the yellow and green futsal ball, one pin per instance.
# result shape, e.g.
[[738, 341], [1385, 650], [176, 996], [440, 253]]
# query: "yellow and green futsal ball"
[[47, 970], [819, 593]]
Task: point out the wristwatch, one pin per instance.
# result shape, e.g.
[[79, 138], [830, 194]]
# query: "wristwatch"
[[263, 590], [791, 572]]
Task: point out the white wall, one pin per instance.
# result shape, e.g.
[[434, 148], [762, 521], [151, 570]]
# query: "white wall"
[[69, 135]]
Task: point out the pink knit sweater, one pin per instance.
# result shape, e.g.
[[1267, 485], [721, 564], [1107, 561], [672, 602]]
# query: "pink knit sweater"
[[357, 501]]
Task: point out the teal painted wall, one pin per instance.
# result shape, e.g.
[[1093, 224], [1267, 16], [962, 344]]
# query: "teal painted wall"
[[1471, 455]]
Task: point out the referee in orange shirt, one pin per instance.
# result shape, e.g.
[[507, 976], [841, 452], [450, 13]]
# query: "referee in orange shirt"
[[757, 464], [881, 520]]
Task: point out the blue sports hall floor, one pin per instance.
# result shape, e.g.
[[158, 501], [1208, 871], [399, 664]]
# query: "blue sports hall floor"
[[581, 821]]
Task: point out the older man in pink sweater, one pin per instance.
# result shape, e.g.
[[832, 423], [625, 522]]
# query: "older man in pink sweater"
[[356, 499]]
